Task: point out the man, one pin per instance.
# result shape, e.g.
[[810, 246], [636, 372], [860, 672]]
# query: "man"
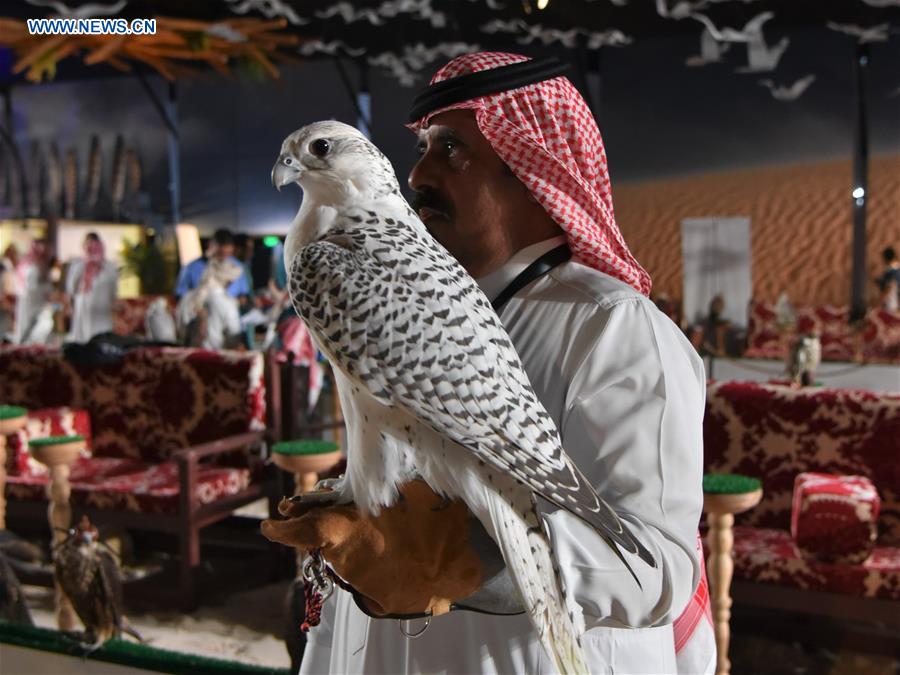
[[220, 248], [92, 286], [889, 281], [34, 306], [512, 172]]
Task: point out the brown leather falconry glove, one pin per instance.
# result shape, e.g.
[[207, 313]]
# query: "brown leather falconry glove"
[[414, 557]]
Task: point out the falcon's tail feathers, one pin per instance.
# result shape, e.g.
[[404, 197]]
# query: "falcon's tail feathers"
[[529, 560]]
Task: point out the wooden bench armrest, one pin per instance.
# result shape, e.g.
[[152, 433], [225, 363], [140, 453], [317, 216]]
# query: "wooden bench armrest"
[[218, 447]]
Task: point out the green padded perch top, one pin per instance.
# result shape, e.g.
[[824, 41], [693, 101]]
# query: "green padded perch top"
[[10, 412], [729, 484], [304, 447], [54, 440]]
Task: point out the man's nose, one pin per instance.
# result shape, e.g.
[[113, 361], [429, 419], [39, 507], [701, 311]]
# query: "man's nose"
[[422, 175]]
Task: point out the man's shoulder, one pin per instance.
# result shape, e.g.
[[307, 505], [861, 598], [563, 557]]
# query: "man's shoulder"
[[195, 263], [587, 286]]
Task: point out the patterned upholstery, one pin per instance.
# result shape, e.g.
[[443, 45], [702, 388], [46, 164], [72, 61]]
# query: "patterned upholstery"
[[42, 423], [775, 432], [155, 401], [764, 340], [880, 339], [881, 336], [833, 517], [125, 484], [771, 557]]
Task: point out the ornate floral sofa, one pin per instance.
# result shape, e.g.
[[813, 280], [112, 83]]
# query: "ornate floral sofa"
[[774, 432], [878, 340], [173, 433]]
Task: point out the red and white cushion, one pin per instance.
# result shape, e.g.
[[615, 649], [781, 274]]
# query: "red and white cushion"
[[127, 484], [833, 517]]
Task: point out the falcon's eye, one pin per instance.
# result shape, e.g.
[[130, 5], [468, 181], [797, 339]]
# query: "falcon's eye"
[[320, 147]]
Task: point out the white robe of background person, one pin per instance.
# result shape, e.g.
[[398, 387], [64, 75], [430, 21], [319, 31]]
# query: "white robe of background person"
[[223, 320], [627, 392], [7, 288], [92, 311], [33, 297]]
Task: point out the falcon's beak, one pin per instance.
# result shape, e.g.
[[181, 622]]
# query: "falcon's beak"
[[283, 174]]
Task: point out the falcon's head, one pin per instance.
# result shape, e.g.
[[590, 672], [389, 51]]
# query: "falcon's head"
[[332, 161]]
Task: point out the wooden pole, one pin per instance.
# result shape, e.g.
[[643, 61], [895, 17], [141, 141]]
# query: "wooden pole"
[[59, 458], [8, 426], [59, 513], [720, 510]]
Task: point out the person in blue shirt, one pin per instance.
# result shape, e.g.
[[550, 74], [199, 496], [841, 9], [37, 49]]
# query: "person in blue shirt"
[[221, 247]]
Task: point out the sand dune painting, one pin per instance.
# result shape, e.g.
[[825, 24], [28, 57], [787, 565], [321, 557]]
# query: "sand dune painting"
[[801, 224]]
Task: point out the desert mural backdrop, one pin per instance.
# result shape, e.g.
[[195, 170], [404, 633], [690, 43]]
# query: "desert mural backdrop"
[[801, 224]]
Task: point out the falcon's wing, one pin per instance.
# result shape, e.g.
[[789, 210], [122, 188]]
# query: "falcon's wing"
[[398, 315], [109, 586]]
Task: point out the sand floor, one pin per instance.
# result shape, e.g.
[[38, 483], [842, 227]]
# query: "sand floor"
[[243, 627]]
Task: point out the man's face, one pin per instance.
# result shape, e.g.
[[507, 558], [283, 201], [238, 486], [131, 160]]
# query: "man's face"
[[221, 251], [467, 197]]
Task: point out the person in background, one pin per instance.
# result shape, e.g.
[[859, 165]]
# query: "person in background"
[[34, 309], [243, 251], [208, 316], [7, 291], [92, 285], [889, 281], [221, 248]]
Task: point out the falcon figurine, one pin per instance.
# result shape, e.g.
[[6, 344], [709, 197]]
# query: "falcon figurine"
[[88, 574], [429, 382]]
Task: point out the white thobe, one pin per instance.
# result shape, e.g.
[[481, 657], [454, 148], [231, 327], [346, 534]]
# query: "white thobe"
[[626, 390], [33, 297], [223, 318], [92, 311], [7, 287]]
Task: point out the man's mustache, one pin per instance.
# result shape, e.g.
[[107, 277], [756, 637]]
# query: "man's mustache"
[[428, 199]]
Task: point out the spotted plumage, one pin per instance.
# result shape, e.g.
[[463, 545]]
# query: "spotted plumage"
[[429, 381]]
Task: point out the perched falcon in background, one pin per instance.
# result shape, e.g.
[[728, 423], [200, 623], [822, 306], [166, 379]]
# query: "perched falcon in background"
[[429, 382], [88, 574], [803, 359]]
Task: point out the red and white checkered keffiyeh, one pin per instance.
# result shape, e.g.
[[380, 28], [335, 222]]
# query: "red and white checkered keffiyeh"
[[547, 136]]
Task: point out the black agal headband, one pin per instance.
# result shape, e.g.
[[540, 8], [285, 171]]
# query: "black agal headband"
[[484, 82]]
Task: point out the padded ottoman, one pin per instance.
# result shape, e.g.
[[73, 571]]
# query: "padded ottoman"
[[833, 517]]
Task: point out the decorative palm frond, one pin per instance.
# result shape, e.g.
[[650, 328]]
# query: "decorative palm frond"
[[70, 183], [94, 176], [35, 171], [217, 44], [133, 177], [117, 177], [54, 185]]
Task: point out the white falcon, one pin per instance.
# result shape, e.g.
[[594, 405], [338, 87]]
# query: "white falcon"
[[429, 382]]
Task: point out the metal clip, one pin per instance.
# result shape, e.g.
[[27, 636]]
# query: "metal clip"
[[414, 635], [316, 573]]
